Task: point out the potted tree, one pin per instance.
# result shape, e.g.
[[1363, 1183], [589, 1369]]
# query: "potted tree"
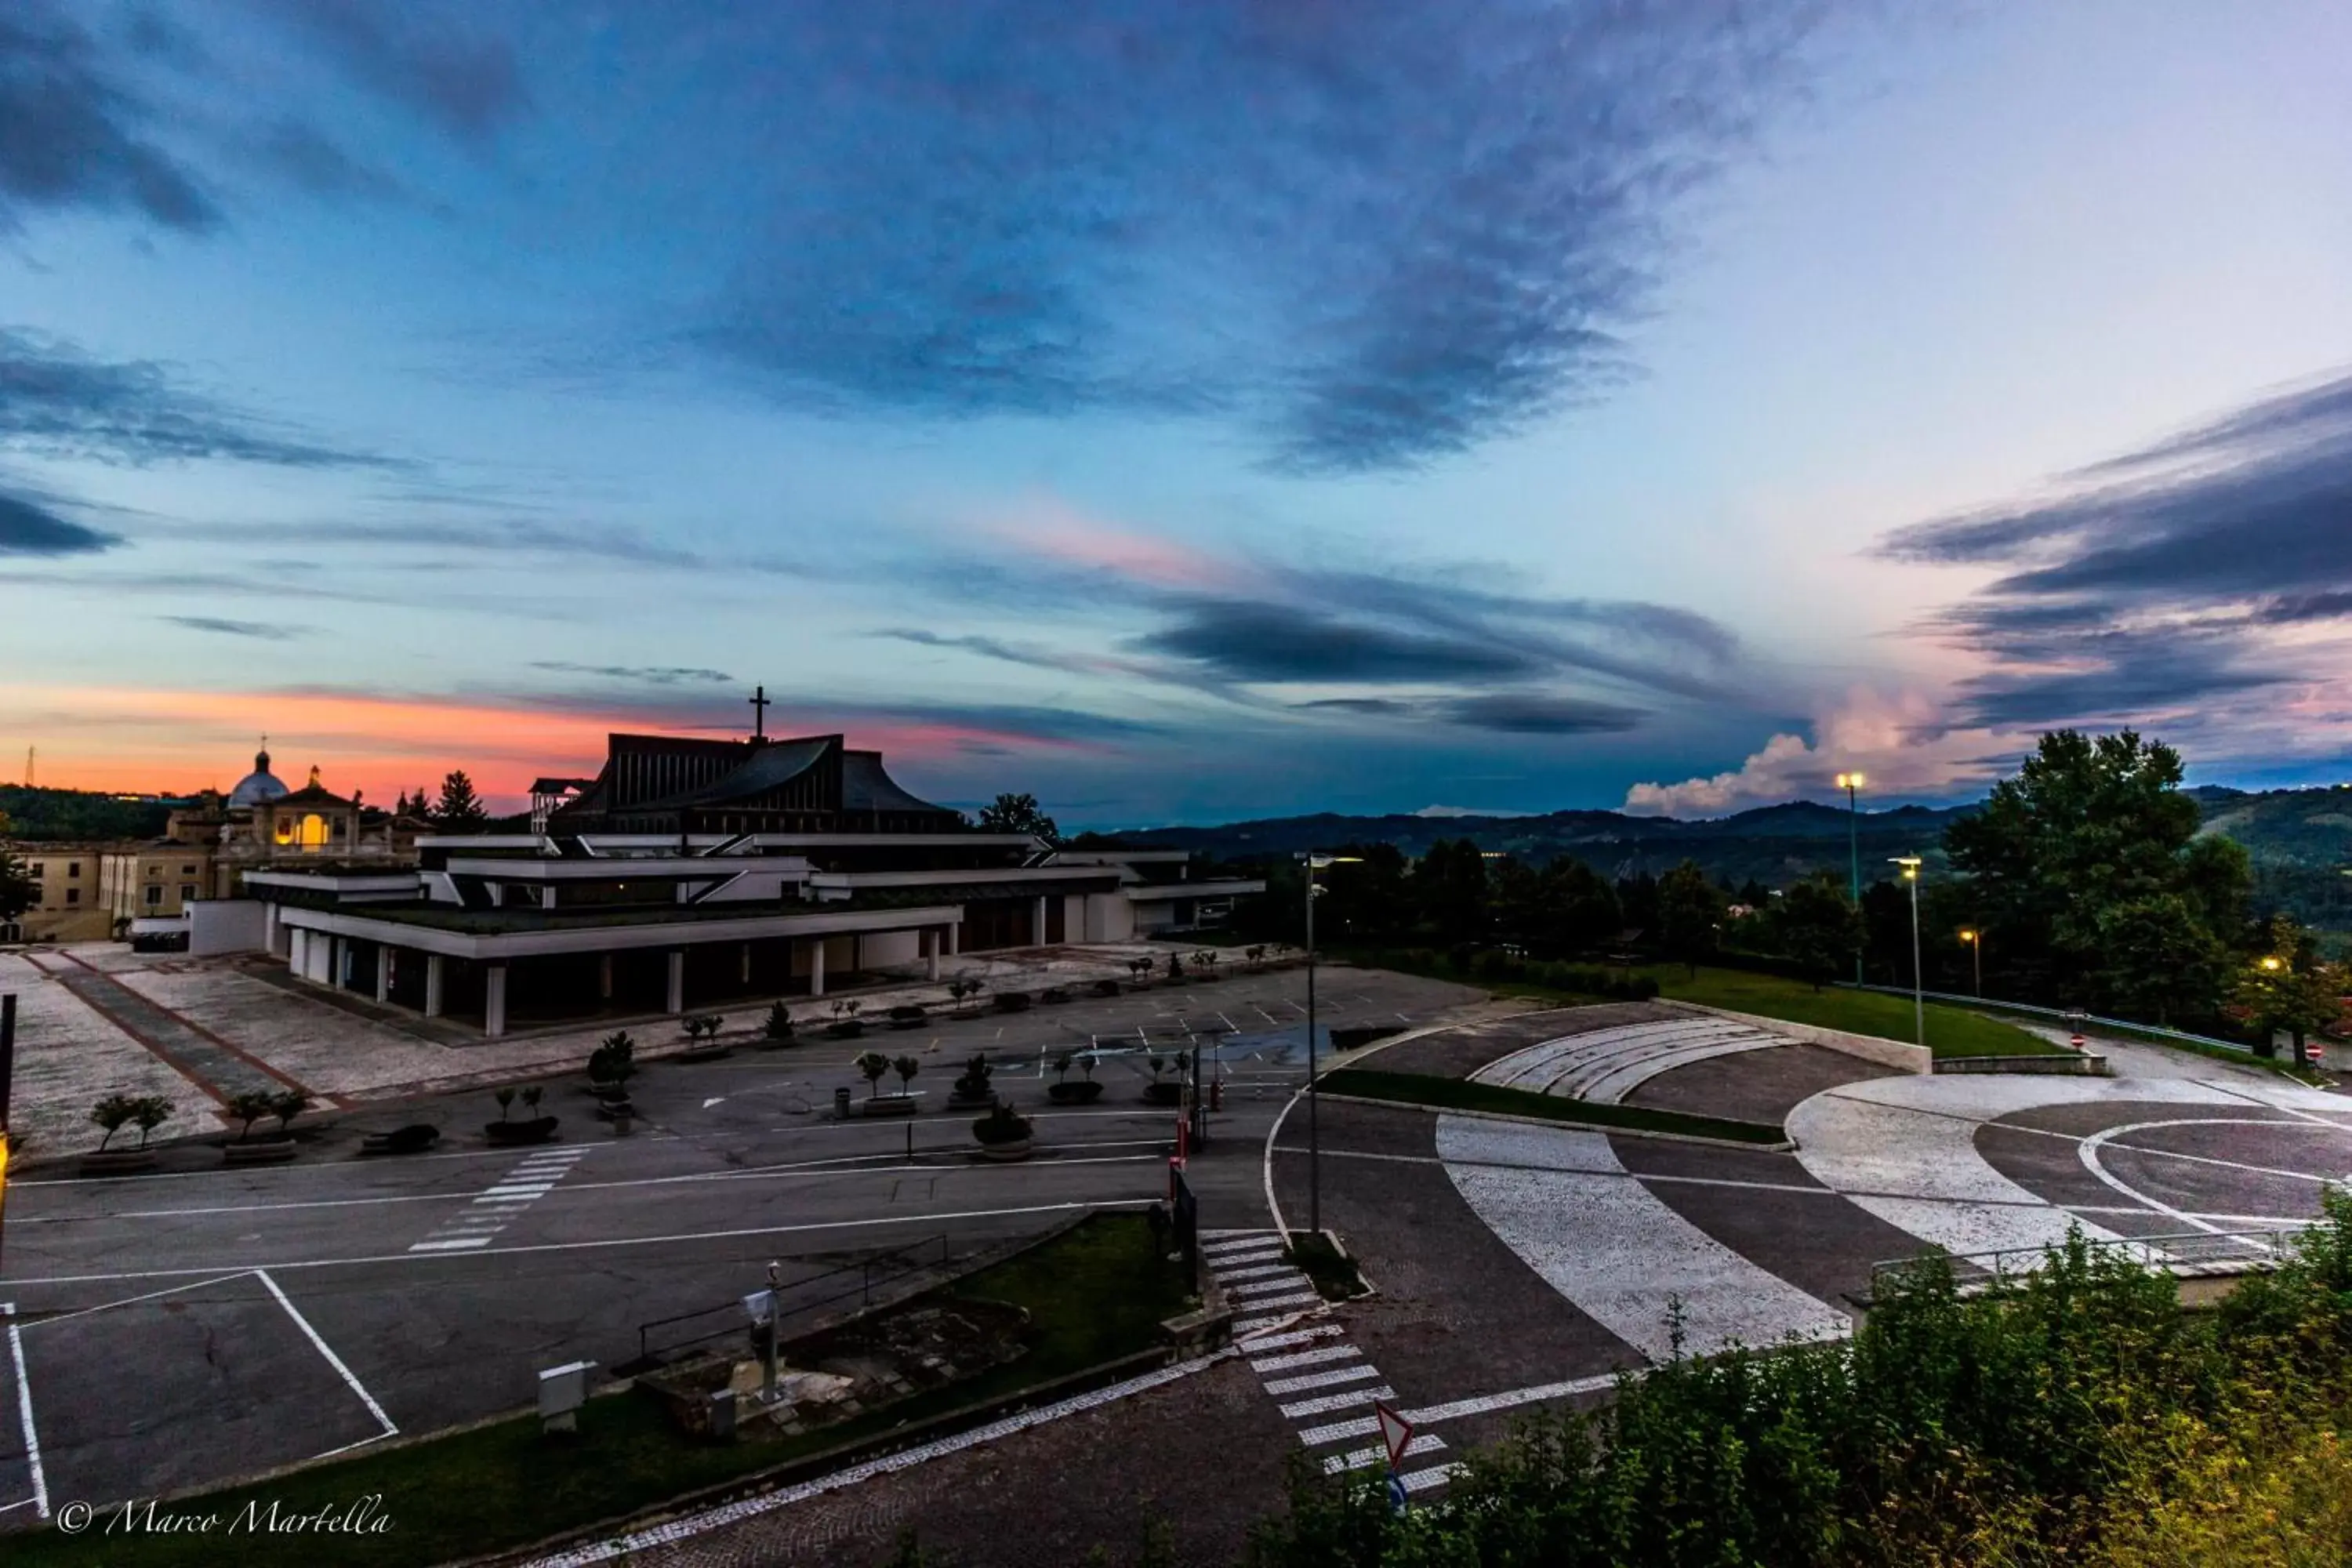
[[1013, 1001], [846, 1025], [1204, 966], [1175, 969], [414, 1139], [908, 1015], [1160, 1091], [1141, 968], [1256, 955], [1002, 1133], [111, 1115], [873, 1065], [971, 1086], [249, 1108], [611, 1065], [1061, 1091], [702, 1038], [964, 989], [777, 1029], [1107, 986], [1054, 995], [531, 1129]]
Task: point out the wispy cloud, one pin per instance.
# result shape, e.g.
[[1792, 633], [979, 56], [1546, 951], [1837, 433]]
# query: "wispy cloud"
[[262, 630], [641, 674], [2204, 566], [1395, 231], [28, 528], [74, 135], [427, 58], [56, 400]]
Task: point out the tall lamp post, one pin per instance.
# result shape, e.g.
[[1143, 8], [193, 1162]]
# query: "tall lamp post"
[[1850, 782], [1314, 863], [1975, 938], [1910, 864]]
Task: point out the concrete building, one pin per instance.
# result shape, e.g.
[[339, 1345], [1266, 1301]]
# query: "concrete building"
[[153, 880], [74, 904], [261, 823], [693, 873]]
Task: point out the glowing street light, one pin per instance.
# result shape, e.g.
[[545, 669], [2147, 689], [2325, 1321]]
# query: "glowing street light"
[[1975, 938], [1315, 862], [1850, 782], [1910, 864]]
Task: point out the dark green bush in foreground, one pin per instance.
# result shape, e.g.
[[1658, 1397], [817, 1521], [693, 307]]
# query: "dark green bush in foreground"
[[2078, 1416]]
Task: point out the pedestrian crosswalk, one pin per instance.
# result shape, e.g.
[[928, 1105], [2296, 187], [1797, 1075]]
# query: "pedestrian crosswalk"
[[492, 1211], [1310, 1369]]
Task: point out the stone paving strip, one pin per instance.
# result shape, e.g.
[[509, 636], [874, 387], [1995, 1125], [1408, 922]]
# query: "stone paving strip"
[[1629, 1259], [69, 1056], [495, 1209], [220, 1068], [1607, 1065], [1316, 1356]]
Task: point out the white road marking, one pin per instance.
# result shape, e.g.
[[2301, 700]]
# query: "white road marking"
[[1291, 1280], [1302, 1358], [1304, 1298], [451, 1244], [1436, 1476], [25, 1415], [1295, 1337], [1359, 1458], [333, 1360], [1330, 1402], [1304, 1381], [1255, 1271], [743, 1233], [714, 1100], [134, 1300], [1627, 1258]]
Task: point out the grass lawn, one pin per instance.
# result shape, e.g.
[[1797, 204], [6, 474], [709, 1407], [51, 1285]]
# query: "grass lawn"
[[1462, 1094], [1951, 1031], [1095, 1293]]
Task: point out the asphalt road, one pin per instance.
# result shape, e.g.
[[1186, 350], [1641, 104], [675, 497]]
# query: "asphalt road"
[[200, 1323]]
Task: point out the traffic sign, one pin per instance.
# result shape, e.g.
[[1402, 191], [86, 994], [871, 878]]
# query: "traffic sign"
[[1395, 1431], [1397, 1502]]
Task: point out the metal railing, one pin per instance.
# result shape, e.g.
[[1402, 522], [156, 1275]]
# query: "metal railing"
[[2187, 1251], [2061, 1015], [884, 1267]]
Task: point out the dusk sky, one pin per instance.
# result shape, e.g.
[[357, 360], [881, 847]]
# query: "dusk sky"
[[1180, 409]]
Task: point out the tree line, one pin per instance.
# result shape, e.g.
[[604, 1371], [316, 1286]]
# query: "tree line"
[[2084, 881]]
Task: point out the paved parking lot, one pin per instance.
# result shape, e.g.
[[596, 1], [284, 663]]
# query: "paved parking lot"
[[200, 1322]]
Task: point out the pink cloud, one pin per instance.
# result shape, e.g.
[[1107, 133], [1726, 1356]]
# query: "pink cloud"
[[1062, 534]]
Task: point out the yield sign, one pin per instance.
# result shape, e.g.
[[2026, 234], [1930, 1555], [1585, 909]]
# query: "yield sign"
[[1395, 1431]]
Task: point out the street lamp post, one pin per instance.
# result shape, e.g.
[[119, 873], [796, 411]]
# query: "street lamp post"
[[1850, 782], [1314, 863], [1910, 864], [1975, 938]]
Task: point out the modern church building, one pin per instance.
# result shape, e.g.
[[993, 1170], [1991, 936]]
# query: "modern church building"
[[694, 873]]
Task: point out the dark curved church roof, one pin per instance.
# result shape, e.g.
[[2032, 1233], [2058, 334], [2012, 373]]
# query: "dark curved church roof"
[[661, 783]]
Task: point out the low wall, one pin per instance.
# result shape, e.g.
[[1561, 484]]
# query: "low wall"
[[2074, 1064], [1869, 1047]]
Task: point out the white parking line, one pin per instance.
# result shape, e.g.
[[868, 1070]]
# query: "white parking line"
[[25, 1415], [333, 1360]]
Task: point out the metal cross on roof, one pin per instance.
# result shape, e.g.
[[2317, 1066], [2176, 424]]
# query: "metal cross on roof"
[[759, 713]]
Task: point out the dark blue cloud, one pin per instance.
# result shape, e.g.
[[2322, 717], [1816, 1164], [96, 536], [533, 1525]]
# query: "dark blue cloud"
[[1376, 234], [1249, 640], [644, 674], [58, 401], [430, 59], [27, 529], [2152, 582], [72, 135], [1536, 714]]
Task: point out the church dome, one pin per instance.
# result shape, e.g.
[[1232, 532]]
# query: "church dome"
[[259, 786]]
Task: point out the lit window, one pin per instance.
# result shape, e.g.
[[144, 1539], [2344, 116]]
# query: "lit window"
[[285, 831], [314, 831]]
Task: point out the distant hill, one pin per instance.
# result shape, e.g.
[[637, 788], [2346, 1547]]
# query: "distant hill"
[[2299, 840], [51, 815]]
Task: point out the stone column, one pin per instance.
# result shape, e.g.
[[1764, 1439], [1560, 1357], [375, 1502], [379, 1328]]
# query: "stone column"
[[677, 980], [383, 973], [955, 939], [746, 976], [298, 950], [816, 967], [338, 954], [434, 965], [547, 897], [605, 976], [269, 929], [930, 952], [1037, 927], [494, 1001]]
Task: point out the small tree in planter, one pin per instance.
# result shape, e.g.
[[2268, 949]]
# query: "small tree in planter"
[[1061, 1091], [1204, 964], [971, 1087], [1160, 1092], [702, 1038], [1256, 955], [1175, 969], [612, 1065], [845, 1024], [148, 1112], [1141, 968], [505, 1096], [532, 1129], [1003, 1135], [113, 1114], [778, 1026], [906, 1068], [964, 989], [249, 1108], [873, 1065]]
